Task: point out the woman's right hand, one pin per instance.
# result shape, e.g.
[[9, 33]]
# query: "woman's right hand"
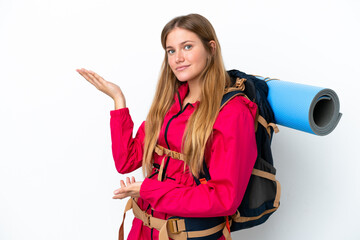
[[109, 88]]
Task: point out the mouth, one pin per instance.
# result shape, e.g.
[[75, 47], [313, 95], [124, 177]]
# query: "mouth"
[[180, 68]]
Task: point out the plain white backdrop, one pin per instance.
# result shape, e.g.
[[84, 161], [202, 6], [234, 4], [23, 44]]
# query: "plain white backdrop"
[[56, 169]]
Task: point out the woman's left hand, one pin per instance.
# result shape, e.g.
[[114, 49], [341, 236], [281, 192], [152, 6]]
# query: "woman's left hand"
[[131, 189]]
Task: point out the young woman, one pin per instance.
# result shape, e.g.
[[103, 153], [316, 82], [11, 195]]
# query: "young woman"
[[184, 130]]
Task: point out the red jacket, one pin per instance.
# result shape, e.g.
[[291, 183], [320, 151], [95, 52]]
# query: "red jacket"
[[230, 158]]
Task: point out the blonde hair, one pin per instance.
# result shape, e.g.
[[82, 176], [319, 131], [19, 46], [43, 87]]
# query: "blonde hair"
[[214, 79]]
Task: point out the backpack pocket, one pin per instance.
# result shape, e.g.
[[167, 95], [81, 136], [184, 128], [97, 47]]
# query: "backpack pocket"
[[261, 198], [261, 189]]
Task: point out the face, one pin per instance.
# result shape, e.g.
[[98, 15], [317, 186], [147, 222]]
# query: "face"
[[187, 55]]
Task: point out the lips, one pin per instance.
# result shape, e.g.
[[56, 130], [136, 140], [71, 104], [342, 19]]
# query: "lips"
[[180, 68]]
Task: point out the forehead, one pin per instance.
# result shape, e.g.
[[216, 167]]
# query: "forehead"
[[179, 35]]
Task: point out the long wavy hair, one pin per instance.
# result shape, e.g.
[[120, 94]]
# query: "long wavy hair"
[[214, 80]]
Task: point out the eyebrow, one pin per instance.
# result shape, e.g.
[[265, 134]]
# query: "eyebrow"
[[181, 43]]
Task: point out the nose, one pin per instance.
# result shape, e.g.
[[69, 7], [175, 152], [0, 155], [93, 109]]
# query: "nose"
[[179, 57]]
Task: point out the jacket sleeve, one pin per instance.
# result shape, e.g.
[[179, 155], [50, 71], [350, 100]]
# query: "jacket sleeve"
[[231, 158], [127, 151]]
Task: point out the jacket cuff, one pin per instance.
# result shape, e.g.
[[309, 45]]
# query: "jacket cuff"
[[119, 112], [143, 188]]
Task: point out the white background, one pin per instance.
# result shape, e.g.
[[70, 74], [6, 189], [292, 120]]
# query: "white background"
[[56, 169]]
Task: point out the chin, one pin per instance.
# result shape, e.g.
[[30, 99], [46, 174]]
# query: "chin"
[[183, 78]]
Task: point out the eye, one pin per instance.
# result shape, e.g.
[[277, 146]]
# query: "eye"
[[187, 47], [170, 51]]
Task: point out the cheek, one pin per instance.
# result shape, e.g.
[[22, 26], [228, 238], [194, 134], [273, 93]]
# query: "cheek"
[[171, 62], [200, 59]]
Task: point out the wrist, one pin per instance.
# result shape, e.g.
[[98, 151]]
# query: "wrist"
[[119, 102]]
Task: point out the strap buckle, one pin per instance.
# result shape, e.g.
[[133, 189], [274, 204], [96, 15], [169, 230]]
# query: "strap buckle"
[[146, 220], [173, 226]]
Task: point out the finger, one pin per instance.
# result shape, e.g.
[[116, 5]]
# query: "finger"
[[117, 191], [96, 75], [132, 179], [100, 83], [122, 184], [86, 75], [98, 78], [79, 70], [128, 181], [93, 79], [122, 193], [120, 196], [82, 70], [122, 190]]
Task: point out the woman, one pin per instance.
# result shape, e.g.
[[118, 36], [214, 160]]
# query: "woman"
[[185, 118]]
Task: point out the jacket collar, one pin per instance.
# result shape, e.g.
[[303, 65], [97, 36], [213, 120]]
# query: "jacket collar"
[[181, 94]]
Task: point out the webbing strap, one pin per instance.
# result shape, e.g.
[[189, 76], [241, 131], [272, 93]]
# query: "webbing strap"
[[161, 169], [267, 125], [237, 218], [240, 83], [165, 233], [173, 228], [263, 174], [128, 206], [271, 177], [160, 150], [207, 232], [226, 231], [146, 218]]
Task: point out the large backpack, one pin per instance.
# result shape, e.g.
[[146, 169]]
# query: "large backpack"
[[262, 196]]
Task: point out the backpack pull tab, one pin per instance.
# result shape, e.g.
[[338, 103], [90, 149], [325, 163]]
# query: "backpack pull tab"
[[226, 231], [203, 180], [240, 83], [227, 223]]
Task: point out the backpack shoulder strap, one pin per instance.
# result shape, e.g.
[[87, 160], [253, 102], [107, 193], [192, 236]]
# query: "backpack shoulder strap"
[[230, 95], [204, 177]]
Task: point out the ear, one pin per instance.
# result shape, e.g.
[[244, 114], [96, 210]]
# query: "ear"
[[212, 45]]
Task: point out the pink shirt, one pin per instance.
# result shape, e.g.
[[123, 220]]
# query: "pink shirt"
[[230, 157]]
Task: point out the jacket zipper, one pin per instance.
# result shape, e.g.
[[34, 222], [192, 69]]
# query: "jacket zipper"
[[157, 172], [152, 230], [167, 143], [151, 235], [167, 129]]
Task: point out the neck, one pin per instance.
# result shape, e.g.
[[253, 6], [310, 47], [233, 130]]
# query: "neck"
[[194, 90]]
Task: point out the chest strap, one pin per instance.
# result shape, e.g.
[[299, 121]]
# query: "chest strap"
[[173, 227], [160, 150]]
